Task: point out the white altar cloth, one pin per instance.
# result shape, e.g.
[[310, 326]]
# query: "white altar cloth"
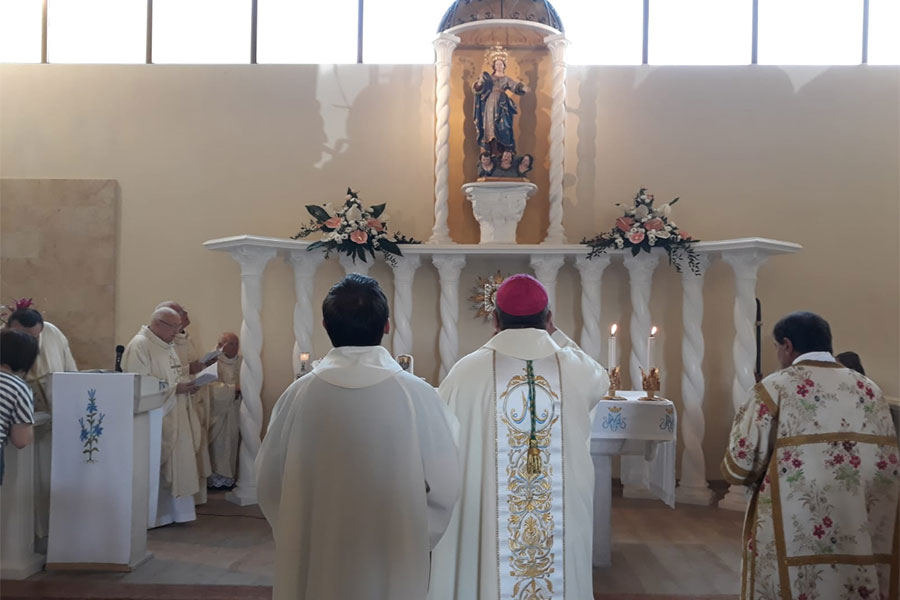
[[635, 429]]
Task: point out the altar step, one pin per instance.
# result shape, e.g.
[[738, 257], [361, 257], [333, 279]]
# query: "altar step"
[[104, 590]]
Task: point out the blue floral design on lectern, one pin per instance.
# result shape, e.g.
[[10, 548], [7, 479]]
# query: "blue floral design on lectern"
[[91, 427], [614, 421]]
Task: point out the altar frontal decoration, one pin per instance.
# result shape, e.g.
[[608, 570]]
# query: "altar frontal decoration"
[[353, 230], [644, 227], [484, 295]]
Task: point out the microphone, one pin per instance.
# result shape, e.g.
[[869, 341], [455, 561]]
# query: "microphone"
[[120, 349]]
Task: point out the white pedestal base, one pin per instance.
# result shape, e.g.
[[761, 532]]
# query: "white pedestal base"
[[240, 499], [700, 496], [17, 555], [735, 499], [638, 492], [602, 553], [498, 207]]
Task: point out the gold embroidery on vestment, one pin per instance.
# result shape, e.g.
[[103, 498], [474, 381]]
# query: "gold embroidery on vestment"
[[531, 523], [838, 559], [837, 436], [778, 524]]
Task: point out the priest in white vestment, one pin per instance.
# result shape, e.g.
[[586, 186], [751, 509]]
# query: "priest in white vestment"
[[225, 414], [816, 444], [151, 352], [523, 526], [54, 356], [358, 472], [198, 406]]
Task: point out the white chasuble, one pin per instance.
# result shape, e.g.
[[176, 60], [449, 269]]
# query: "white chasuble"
[[530, 505], [173, 462], [198, 411], [357, 475], [517, 535]]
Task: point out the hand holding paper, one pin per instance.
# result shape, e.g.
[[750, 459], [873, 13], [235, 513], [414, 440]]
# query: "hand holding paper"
[[207, 375], [212, 354]]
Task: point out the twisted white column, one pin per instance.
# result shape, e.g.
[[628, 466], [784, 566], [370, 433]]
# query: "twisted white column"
[[253, 262], [746, 266], [557, 44], [404, 274], [591, 272], [692, 487], [640, 276], [305, 265], [546, 268], [449, 268], [443, 50], [359, 267]]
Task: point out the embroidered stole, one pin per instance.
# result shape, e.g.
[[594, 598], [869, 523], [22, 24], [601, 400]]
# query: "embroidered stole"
[[530, 527]]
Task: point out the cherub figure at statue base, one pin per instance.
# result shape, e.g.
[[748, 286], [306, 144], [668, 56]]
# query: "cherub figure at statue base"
[[507, 166]]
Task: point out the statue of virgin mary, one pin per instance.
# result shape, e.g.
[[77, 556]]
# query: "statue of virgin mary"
[[494, 108]]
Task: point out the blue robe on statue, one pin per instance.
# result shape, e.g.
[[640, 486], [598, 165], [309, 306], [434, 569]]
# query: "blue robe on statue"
[[494, 111]]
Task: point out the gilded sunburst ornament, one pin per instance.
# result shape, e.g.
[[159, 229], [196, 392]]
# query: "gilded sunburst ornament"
[[484, 295]]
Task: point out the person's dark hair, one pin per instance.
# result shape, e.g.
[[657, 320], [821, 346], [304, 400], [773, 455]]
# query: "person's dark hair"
[[807, 331], [851, 361], [355, 312], [18, 350], [26, 317], [535, 321]]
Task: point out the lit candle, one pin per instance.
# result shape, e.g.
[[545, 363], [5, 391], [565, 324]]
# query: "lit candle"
[[651, 349], [304, 362], [612, 358]]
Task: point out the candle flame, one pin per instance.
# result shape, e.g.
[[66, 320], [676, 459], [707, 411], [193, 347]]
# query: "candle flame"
[[304, 356], [653, 331], [612, 330]]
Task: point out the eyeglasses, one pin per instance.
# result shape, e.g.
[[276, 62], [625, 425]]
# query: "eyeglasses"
[[171, 325]]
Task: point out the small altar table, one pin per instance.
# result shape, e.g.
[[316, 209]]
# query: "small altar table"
[[630, 427]]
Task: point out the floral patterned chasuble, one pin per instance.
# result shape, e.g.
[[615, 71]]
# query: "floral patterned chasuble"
[[817, 445]]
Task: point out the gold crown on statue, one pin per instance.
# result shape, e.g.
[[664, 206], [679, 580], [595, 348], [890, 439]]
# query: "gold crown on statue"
[[495, 52]]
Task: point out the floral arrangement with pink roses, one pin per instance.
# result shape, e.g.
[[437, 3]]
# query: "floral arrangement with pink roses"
[[644, 227], [353, 230]]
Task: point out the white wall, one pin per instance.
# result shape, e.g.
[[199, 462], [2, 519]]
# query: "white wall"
[[810, 155]]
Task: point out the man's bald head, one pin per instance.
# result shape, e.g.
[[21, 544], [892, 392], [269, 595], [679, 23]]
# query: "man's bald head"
[[230, 344], [165, 323], [178, 308]]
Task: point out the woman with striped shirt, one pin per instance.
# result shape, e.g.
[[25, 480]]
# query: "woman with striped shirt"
[[18, 351]]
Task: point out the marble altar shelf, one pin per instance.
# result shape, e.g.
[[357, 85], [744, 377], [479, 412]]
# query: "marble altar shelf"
[[744, 255]]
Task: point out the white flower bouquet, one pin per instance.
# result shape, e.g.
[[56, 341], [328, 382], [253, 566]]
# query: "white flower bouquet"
[[644, 227], [353, 230]]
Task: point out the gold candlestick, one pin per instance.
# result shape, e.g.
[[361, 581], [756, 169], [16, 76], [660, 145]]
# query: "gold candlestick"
[[650, 383], [614, 382]]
